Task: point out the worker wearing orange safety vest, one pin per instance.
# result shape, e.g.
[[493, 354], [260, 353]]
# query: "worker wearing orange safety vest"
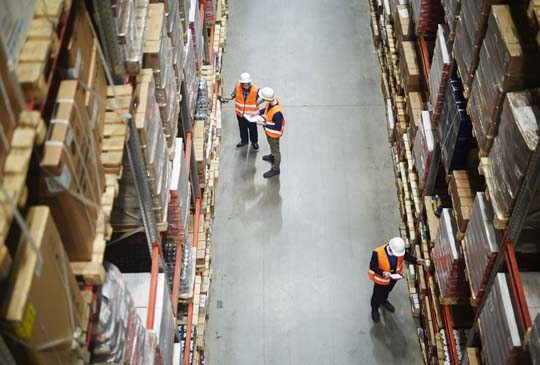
[[274, 125], [246, 97], [385, 269]]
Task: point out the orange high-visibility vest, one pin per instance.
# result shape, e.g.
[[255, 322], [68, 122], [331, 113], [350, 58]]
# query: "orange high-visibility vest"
[[246, 105], [269, 114], [384, 265]]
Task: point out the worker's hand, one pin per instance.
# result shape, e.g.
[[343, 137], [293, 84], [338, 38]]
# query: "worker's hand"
[[386, 274], [261, 123], [421, 261], [252, 114]]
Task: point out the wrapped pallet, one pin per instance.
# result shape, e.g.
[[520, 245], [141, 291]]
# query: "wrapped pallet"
[[470, 31], [426, 154], [427, 14], [196, 29], [499, 331], [452, 9], [510, 155], [455, 127], [131, 18], [448, 261], [42, 307], [408, 66], [119, 335], [462, 187], [402, 20], [480, 245], [191, 82], [504, 66], [440, 70], [138, 285]]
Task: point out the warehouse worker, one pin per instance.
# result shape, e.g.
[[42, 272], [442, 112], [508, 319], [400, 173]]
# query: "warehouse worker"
[[385, 270], [246, 101], [273, 124]]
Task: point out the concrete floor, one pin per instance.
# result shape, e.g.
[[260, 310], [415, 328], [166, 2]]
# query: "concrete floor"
[[290, 254]]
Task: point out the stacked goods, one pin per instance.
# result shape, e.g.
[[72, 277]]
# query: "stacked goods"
[[462, 187], [210, 11], [514, 145], [73, 179], [448, 262], [440, 70], [175, 31], [184, 6], [148, 122], [39, 327], [191, 81], [164, 320], [534, 340], [158, 56], [187, 272], [196, 33], [426, 154], [180, 194], [402, 20], [455, 127], [119, 335], [470, 31], [504, 66], [131, 18], [427, 15], [414, 108], [480, 245], [16, 20], [452, 10], [498, 327], [408, 66]]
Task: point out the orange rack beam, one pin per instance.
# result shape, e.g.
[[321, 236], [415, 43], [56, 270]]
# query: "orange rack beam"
[[452, 348], [190, 306], [153, 285], [516, 285]]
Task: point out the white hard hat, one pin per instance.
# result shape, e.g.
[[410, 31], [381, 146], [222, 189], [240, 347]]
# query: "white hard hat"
[[245, 78], [267, 93], [398, 246]]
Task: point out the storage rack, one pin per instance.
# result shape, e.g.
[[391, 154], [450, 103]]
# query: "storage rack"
[[213, 25], [419, 223]]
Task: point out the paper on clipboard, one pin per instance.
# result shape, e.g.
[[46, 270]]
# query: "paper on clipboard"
[[254, 119], [396, 276]]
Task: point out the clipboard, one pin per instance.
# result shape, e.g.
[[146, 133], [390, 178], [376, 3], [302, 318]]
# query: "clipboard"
[[396, 276], [255, 119]]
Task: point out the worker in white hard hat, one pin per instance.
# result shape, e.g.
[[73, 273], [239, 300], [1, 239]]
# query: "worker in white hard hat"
[[385, 269], [246, 101], [274, 125]]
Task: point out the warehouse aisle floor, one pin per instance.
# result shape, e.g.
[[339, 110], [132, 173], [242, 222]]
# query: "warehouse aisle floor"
[[290, 254]]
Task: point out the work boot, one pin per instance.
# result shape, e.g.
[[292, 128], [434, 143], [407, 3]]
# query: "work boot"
[[241, 144], [270, 173], [389, 307], [255, 146], [375, 316], [268, 158]]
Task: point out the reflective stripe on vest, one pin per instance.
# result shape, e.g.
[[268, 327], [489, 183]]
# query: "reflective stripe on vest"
[[384, 265], [269, 115], [248, 105]]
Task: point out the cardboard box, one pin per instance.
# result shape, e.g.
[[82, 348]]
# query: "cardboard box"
[[43, 303]]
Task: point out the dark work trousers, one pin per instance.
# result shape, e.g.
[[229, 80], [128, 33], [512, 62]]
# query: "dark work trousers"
[[380, 294], [274, 151], [244, 126]]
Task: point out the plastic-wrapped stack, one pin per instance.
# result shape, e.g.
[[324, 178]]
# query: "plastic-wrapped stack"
[[131, 17], [455, 127], [119, 335], [499, 332], [440, 70], [187, 272], [452, 10], [462, 187], [426, 154], [180, 192], [480, 245], [195, 27], [470, 31], [512, 149], [501, 69], [175, 31], [191, 81], [210, 11], [448, 262], [402, 20], [427, 15], [138, 285]]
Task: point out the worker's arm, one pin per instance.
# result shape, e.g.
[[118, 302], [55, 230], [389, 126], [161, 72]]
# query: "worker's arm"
[[413, 259], [233, 94], [374, 264]]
